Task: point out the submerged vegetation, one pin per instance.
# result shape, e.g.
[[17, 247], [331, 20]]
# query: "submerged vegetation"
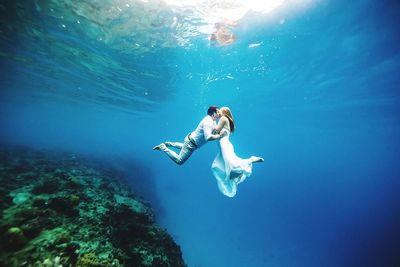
[[63, 210]]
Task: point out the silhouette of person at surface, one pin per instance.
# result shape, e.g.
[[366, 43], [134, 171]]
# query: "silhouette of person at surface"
[[222, 35]]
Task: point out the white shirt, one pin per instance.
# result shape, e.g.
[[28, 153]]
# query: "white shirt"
[[203, 131]]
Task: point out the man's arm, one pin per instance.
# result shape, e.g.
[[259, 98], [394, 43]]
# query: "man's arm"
[[208, 135], [213, 137]]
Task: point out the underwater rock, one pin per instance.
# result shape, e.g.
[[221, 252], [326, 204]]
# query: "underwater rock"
[[63, 210], [39, 202], [90, 260], [21, 197], [65, 205], [6, 199], [25, 213], [33, 227], [14, 239], [72, 183], [46, 187]]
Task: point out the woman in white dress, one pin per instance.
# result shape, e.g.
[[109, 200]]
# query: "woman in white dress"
[[228, 168]]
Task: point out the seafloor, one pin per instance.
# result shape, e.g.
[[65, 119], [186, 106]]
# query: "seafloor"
[[59, 209]]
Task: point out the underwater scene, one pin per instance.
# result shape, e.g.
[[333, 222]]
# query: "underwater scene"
[[218, 133]]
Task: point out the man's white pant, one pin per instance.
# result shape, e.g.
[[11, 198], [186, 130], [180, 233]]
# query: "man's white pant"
[[186, 150]]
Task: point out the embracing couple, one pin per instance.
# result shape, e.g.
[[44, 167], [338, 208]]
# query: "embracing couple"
[[227, 167]]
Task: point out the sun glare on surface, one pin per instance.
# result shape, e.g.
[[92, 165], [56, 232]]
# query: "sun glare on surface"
[[262, 6], [227, 9]]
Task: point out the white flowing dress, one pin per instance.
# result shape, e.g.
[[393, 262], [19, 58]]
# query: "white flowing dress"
[[228, 168]]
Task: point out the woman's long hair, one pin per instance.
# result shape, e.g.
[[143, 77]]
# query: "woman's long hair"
[[227, 113]]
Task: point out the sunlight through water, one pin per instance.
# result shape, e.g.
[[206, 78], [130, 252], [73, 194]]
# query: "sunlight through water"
[[129, 34]]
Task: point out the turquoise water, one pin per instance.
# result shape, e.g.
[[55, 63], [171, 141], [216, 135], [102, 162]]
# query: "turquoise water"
[[313, 87]]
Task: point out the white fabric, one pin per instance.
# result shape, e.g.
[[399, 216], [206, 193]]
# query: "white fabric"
[[228, 168], [203, 131]]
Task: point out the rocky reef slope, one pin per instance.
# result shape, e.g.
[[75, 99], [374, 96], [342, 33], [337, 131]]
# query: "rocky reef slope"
[[63, 210]]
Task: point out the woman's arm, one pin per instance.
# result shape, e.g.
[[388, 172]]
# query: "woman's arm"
[[214, 135], [222, 121]]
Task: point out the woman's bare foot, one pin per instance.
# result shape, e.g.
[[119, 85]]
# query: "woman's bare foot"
[[159, 147], [256, 159]]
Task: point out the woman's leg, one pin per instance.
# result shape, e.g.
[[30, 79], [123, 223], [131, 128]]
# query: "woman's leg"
[[255, 159]]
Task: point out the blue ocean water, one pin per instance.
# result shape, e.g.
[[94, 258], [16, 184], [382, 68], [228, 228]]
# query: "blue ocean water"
[[313, 87]]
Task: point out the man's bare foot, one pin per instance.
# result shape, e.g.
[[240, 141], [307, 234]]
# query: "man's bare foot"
[[159, 147], [256, 159]]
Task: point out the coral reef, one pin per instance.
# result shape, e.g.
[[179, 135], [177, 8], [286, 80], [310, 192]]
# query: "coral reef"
[[64, 210]]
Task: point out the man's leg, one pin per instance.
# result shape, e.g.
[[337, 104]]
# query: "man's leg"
[[185, 152], [174, 144]]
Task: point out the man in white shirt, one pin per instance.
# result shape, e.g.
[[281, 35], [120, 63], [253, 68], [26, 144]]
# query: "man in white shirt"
[[194, 140]]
